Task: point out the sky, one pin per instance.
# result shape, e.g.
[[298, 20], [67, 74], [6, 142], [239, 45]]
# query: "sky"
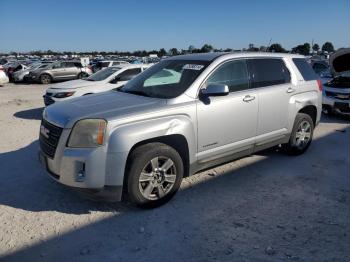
[[129, 25]]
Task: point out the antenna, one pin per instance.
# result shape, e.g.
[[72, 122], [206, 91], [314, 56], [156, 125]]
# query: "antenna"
[[268, 46]]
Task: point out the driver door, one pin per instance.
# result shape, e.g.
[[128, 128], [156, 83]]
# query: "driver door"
[[227, 124]]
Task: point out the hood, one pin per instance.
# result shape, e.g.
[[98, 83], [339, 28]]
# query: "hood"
[[108, 105], [74, 84], [340, 61]]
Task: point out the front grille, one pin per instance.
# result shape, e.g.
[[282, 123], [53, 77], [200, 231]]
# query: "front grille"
[[340, 96], [48, 143], [343, 107]]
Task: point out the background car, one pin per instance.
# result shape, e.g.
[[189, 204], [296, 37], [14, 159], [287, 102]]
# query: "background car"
[[103, 80], [106, 63], [21, 75], [58, 71], [336, 91], [3, 78]]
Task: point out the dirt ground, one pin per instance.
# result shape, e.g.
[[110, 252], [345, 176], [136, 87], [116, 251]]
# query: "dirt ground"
[[266, 207]]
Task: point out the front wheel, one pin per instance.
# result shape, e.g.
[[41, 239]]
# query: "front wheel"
[[154, 175], [45, 79], [301, 136], [82, 75]]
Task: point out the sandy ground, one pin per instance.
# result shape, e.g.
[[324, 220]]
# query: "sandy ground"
[[266, 207]]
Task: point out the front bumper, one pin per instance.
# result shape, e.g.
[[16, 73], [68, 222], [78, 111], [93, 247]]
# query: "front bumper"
[[336, 105], [106, 193]]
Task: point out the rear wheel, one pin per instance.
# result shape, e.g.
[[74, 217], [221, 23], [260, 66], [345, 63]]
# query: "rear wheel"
[[82, 75], [45, 79], [301, 136], [154, 175]]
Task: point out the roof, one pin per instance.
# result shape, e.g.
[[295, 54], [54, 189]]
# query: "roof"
[[213, 56]]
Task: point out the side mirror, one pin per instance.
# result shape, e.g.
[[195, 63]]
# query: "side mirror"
[[215, 90]]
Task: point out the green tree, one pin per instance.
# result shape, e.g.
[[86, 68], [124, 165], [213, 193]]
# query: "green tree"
[[276, 48], [315, 47], [207, 48], [173, 51], [302, 49], [191, 48], [328, 47], [161, 52]]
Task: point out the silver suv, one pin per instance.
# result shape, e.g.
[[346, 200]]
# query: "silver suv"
[[58, 71], [185, 114]]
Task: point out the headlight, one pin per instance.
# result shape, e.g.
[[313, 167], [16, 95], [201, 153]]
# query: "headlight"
[[88, 133], [63, 94]]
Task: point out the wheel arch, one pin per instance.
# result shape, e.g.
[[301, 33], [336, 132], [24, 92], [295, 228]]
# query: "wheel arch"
[[310, 110]]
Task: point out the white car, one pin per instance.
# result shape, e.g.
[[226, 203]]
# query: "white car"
[[107, 63], [3, 78], [103, 80]]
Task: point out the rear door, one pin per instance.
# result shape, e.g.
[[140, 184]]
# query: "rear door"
[[271, 79], [58, 70], [227, 124], [71, 70]]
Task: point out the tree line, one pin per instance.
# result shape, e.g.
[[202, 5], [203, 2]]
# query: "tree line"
[[303, 49]]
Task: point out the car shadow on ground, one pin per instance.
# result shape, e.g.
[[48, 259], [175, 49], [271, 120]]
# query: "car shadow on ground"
[[31, 114], [21, 170], [294, 204]]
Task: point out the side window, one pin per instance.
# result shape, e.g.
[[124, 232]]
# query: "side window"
[[57, 66], [305, 69], [268, 72], [233, 74], [130, 72], [126, 75]]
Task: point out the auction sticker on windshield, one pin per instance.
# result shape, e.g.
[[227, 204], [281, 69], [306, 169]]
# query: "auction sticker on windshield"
[[193, 67]]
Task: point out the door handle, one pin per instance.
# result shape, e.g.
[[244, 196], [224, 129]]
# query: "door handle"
[[290, 90], [248, 98]]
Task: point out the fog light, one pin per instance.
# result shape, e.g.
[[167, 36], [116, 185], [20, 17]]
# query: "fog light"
[[80, 177]]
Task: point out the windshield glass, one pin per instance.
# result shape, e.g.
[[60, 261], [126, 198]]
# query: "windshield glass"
[[167, 79], [103, 74]]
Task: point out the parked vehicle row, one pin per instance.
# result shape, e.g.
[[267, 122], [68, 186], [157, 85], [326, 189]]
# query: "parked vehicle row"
[[104, 80], [180, 116]]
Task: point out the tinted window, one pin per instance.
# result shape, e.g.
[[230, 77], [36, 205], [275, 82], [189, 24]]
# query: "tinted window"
[[305, 69], [233, 74], [268, 72], [103, 74], [77, 64], [130, 72]]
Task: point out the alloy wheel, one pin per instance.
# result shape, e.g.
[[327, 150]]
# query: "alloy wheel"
[[157, 178]]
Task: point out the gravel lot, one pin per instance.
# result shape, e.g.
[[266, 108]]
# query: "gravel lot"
[[266, 207]]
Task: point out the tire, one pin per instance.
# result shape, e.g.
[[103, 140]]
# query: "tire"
[[157, 185], [301, 136], [82, 75], [45, 79]]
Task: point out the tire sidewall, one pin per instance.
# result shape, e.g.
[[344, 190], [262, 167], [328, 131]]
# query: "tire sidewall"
[[139, 160], [47, 76], [291, 146]]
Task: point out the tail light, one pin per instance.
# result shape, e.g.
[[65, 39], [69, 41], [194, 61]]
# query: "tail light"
[[319, 83]]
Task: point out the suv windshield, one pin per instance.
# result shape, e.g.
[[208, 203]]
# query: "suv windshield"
[[103, 74], [167, 79]]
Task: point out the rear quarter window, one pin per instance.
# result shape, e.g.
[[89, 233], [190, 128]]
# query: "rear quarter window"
[[305, 69], [268, 72]]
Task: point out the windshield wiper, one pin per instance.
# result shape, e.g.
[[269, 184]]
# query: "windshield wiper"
[[134, 92], [88, 79]]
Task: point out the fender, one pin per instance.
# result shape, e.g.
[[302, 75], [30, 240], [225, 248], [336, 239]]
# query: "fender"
[[300, 101], [124, 137]]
